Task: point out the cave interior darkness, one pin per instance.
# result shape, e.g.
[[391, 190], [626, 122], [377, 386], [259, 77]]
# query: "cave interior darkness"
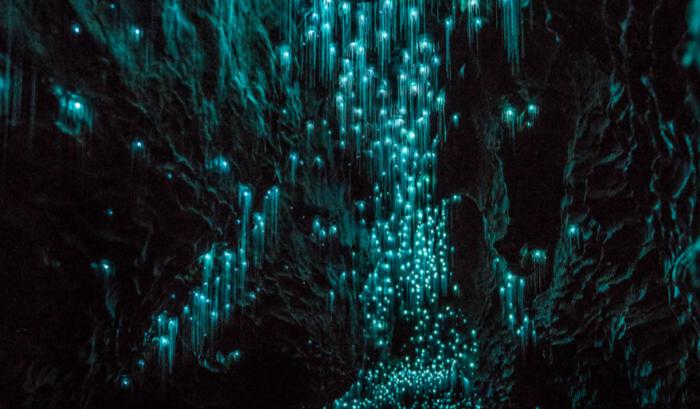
[[349, 204]]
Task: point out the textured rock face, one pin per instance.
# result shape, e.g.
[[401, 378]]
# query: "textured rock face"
[[618, 319], [613, 155], [172, 88]]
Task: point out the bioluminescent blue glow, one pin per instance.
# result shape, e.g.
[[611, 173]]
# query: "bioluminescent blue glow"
[[511, 24], [512, 300], [387, 115], [74, 114], [515, 121], [222, 289], [165, 340], [271, 209], [574, 238], [125, 382], [219, 164], [103, 268], [437, 369], [472, 9]]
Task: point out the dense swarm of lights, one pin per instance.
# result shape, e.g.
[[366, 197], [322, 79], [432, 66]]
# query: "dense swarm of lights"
[[382, 71]]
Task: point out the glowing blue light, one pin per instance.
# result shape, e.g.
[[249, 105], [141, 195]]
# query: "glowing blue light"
[[384, 120], [509, 113], [74, 115], [124, 382], [103, 267], [220, 165], [136, 34], [137, 145], [573, 238]]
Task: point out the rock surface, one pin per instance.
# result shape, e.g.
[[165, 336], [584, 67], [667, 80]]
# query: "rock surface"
[[614, 154]]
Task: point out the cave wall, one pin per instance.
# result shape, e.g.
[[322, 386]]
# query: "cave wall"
[[613, 154], [617, 320], [144, 193]]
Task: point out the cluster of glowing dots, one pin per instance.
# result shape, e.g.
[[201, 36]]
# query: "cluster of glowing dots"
[[388, 114], [382, 71], [437, 370], [222, 290], [512, 301], [328, 29], [391, 125], [409, 274], [516, 121]]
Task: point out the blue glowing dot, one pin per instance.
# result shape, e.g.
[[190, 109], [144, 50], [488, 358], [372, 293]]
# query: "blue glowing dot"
[[76, 29], [220, 164], [124, 382], [103, 267], [109, 212], [137, 145], [455, 120]]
